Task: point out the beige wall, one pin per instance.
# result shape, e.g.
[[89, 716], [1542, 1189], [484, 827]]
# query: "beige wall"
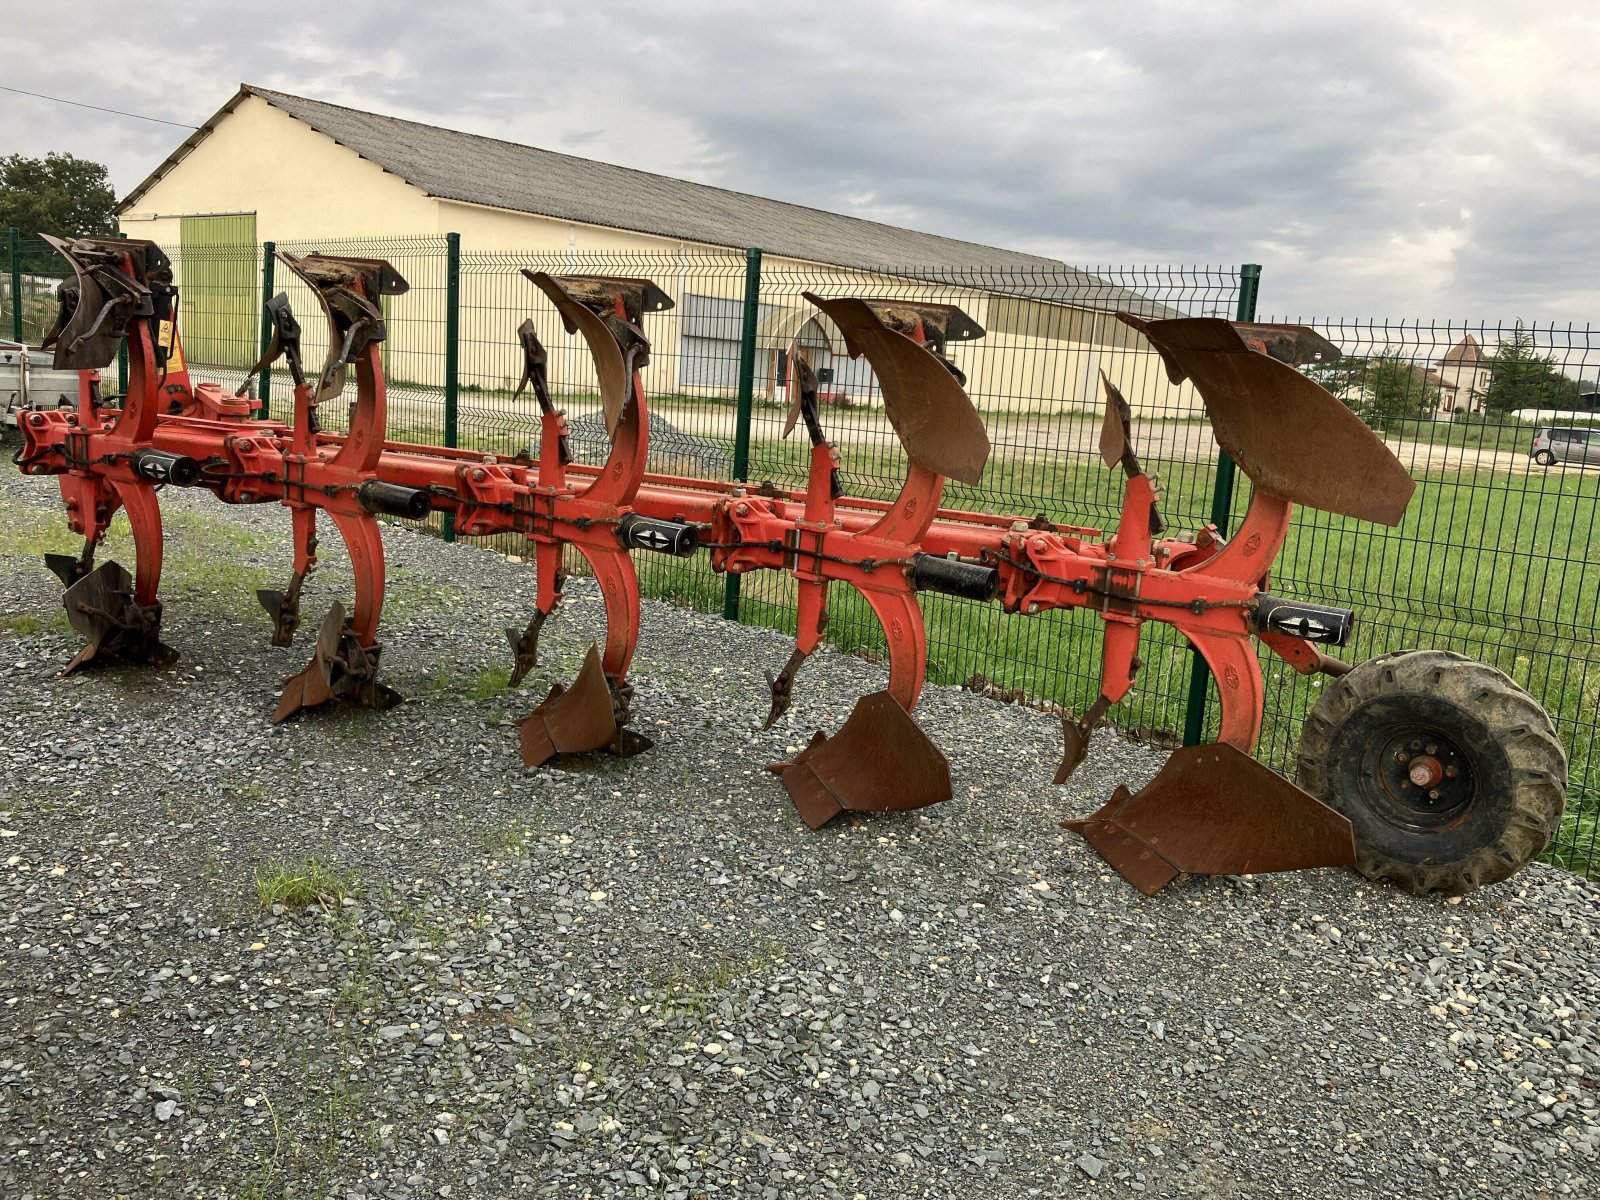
[[298, 182], [1457, 384]]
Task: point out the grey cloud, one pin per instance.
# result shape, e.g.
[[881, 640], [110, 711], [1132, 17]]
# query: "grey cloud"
[[1383, 158]]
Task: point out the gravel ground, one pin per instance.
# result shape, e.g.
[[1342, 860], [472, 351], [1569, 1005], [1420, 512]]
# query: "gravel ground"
[[650, 979]]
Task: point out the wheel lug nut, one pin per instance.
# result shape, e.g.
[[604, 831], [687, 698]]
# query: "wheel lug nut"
[[1416, 745], [1402, 756], [1432, 749], [1434, 794], [1451, 772]]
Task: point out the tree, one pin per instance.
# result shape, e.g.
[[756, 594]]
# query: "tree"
[[1521, 377], [58, 194], [1397, 389], [1343, 376], [1388, 387]]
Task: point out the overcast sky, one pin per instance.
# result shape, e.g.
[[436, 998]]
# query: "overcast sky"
[[1393, 159]]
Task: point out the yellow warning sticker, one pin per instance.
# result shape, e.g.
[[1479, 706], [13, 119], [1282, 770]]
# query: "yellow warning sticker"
[[167, 336]]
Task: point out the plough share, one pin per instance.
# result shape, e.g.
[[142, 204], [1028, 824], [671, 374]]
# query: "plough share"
[[1438, 798]]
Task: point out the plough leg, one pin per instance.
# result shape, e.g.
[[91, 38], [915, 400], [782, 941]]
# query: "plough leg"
[[344, 664], [551, 579], [812, 623], [284, 607]]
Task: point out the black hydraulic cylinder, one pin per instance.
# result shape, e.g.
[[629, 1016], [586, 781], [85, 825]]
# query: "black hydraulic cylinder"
[[1300, 619], [955, 577], [662, 537], [162, 466], [394, 500]]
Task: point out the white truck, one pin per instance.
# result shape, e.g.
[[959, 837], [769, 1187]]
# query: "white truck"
[[28, 381]]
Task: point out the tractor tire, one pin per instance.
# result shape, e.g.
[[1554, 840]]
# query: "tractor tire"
[[1451, 775], [1544, 458]]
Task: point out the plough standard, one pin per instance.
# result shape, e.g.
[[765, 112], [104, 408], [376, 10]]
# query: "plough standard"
[[1422, 767]]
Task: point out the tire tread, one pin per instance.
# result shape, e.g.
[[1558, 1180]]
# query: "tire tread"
[[1515, 720]]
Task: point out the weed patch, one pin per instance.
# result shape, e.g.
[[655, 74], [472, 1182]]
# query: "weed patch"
[[299, 885]]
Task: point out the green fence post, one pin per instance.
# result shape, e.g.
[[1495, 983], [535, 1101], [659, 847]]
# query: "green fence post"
[[1194, 713], [452, 352], [268, 260], [16, 284], [747, 393]]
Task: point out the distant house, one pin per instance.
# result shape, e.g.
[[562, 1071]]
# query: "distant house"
[[302, 172], [1463, 377]]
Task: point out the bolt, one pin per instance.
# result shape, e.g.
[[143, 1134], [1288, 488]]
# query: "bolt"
[[479, 475], [1402, 756], [741, 510], [1432, 749], [1434, 794], [1032, 606], [1416, 745], [1451, 772]]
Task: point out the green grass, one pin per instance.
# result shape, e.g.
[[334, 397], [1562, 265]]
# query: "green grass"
[[21, 624], [38, 314], [508, 841], [194, 544], [1507, 435], [483, 684], [300, 884], [688, 988]]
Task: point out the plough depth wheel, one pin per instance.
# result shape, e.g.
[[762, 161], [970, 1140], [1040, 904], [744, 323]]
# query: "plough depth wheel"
[[1451, 775]]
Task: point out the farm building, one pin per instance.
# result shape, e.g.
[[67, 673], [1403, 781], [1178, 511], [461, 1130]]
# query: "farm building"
[[271, 166], [1462, 377]]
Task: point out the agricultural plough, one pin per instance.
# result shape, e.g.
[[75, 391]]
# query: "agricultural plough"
[[1423, 767]]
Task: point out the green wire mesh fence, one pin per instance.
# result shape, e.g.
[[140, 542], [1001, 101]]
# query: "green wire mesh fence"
[[1493, 558]]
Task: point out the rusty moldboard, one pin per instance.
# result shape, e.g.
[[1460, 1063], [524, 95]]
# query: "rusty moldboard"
[[574, 720], [618, 346], [341, 668], [929, 409], [1214, 810], [1287, 432], [1297, 345], [879, 761], [101, 607]]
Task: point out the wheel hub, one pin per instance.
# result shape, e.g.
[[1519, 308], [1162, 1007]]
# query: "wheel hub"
[[1425, 771], [1425, 779]]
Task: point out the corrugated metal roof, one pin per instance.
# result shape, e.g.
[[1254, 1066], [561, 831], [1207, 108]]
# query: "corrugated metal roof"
[[451, 165], [481, 170]]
